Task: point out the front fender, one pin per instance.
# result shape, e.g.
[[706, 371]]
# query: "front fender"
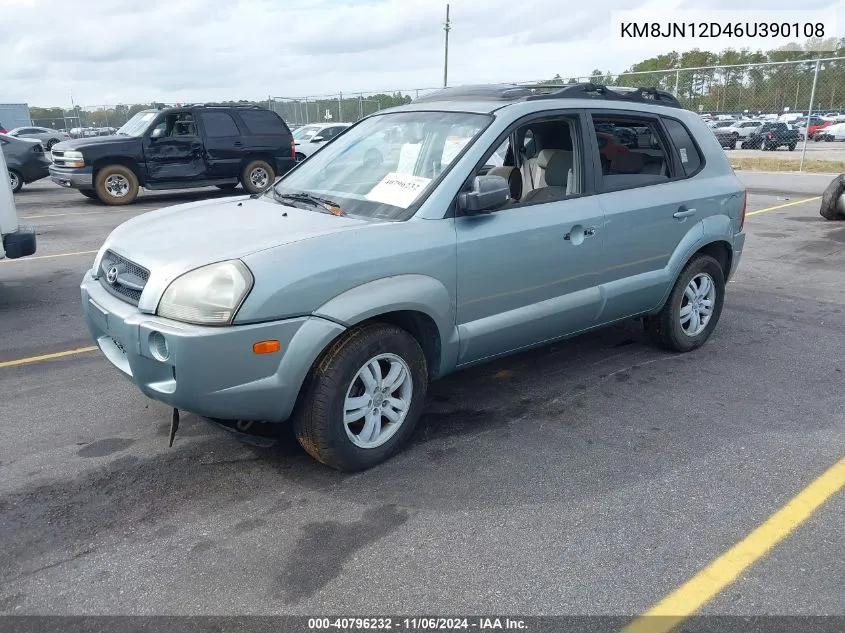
[[417, 293]]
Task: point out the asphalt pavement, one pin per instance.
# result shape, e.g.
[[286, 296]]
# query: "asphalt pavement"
[[589, 477]]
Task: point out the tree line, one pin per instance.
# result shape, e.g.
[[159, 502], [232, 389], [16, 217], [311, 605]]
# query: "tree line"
[[736, 80], [293, 111]]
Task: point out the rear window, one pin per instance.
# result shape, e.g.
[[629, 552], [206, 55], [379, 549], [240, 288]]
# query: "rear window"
[[691, 160], [263, 122]]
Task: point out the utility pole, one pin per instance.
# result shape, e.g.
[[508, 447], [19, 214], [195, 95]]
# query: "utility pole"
[[447, 26]]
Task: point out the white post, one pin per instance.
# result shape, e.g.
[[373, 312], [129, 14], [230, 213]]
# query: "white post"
[[809, 114]]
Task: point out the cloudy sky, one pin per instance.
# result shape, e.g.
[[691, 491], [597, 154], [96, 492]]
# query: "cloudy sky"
[[127, 51]]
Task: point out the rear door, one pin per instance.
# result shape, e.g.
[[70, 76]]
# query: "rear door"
[[224, 146], [651, 206], [266, 134]]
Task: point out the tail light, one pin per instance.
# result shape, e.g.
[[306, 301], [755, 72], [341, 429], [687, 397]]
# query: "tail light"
[[770, 135], [744, 207], [292, 148]]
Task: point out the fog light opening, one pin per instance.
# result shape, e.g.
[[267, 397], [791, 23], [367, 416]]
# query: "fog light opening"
[[158, 346]]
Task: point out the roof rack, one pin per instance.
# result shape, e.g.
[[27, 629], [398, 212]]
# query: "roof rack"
[[483, 92], [616, 93]]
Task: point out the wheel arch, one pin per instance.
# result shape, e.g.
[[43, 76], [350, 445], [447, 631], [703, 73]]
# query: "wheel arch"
[[125, 161]]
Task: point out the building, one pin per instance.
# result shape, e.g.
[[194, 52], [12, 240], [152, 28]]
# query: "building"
[[14, 115]]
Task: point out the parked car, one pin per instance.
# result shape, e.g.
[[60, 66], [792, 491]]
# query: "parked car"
[[835, 132], [310, 138], [16, 240], [730, 136], [43, 135], [351, 285], [25, 160], [178, 148], [772, 135]]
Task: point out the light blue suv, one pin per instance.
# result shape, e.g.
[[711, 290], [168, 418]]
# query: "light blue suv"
[[334, 297]]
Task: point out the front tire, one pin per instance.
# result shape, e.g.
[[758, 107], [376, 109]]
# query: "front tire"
[[693, 308], [363, 398], [16, 180], [257, 176], [116, 185], [792, 147], [50, 143]]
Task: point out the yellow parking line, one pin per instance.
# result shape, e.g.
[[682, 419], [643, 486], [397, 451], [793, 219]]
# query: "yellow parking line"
[[29, 259], [782, 206], [37, 359], [704, 586]]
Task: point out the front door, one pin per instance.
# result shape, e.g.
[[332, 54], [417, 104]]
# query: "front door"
[[531, 271], [175, 153]]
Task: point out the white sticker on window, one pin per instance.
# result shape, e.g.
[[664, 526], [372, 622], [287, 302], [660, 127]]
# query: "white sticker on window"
[[408, 157], [683, 152], [399, 190], [452, 147]]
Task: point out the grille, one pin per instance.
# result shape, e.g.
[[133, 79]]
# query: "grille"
[[130, 280]]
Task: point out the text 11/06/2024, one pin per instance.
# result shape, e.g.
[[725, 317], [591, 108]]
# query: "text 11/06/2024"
[[716, 30], [414, 624]]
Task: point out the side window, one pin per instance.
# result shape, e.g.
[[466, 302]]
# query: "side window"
[[548, 165], [262, 122], [633, 153], [691, 159], [218, 124]]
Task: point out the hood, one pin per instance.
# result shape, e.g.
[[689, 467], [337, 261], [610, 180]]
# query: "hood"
[[82, 143], [174, 240]]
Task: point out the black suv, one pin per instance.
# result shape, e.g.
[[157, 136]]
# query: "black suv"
[[771, 136], [178, 148]]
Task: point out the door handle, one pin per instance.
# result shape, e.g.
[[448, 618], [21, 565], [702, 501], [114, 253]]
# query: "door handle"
[[683, 212], [237, 144], [588, 232]]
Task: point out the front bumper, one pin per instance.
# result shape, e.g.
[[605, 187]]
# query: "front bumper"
[[209, 371], [75, 177]]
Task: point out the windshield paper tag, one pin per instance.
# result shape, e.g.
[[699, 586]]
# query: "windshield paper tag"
[[399, 190]]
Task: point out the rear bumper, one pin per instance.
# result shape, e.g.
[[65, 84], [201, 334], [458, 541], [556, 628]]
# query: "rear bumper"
[[35, 170], [739, 244], [21, 243], [77, 178]]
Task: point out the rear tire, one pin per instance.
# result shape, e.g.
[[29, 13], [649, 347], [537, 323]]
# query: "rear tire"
[[257, 176], [792, 147], [16, 180], [333, 414], [668, 329], [116, 185], [50, 144]]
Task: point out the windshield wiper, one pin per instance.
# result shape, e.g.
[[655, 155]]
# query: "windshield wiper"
[[328, 206]]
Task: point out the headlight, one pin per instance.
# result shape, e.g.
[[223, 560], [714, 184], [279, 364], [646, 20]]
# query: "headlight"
[[73, 159], [207, 296]]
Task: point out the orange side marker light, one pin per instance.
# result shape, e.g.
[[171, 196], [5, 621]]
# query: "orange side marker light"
[[266, 347]]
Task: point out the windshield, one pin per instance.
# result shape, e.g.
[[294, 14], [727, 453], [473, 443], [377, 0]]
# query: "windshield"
[[138, 124], [306, 132], [383, 165]]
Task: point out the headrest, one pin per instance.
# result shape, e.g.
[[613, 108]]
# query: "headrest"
[[514, 178], [628, 163], [544, 156], [557, 169]]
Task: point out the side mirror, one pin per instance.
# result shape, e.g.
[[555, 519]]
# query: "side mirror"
[[317, 139], [157, 133], [488, 193]]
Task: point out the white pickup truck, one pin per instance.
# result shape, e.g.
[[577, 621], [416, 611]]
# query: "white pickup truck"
[[15, 240]]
